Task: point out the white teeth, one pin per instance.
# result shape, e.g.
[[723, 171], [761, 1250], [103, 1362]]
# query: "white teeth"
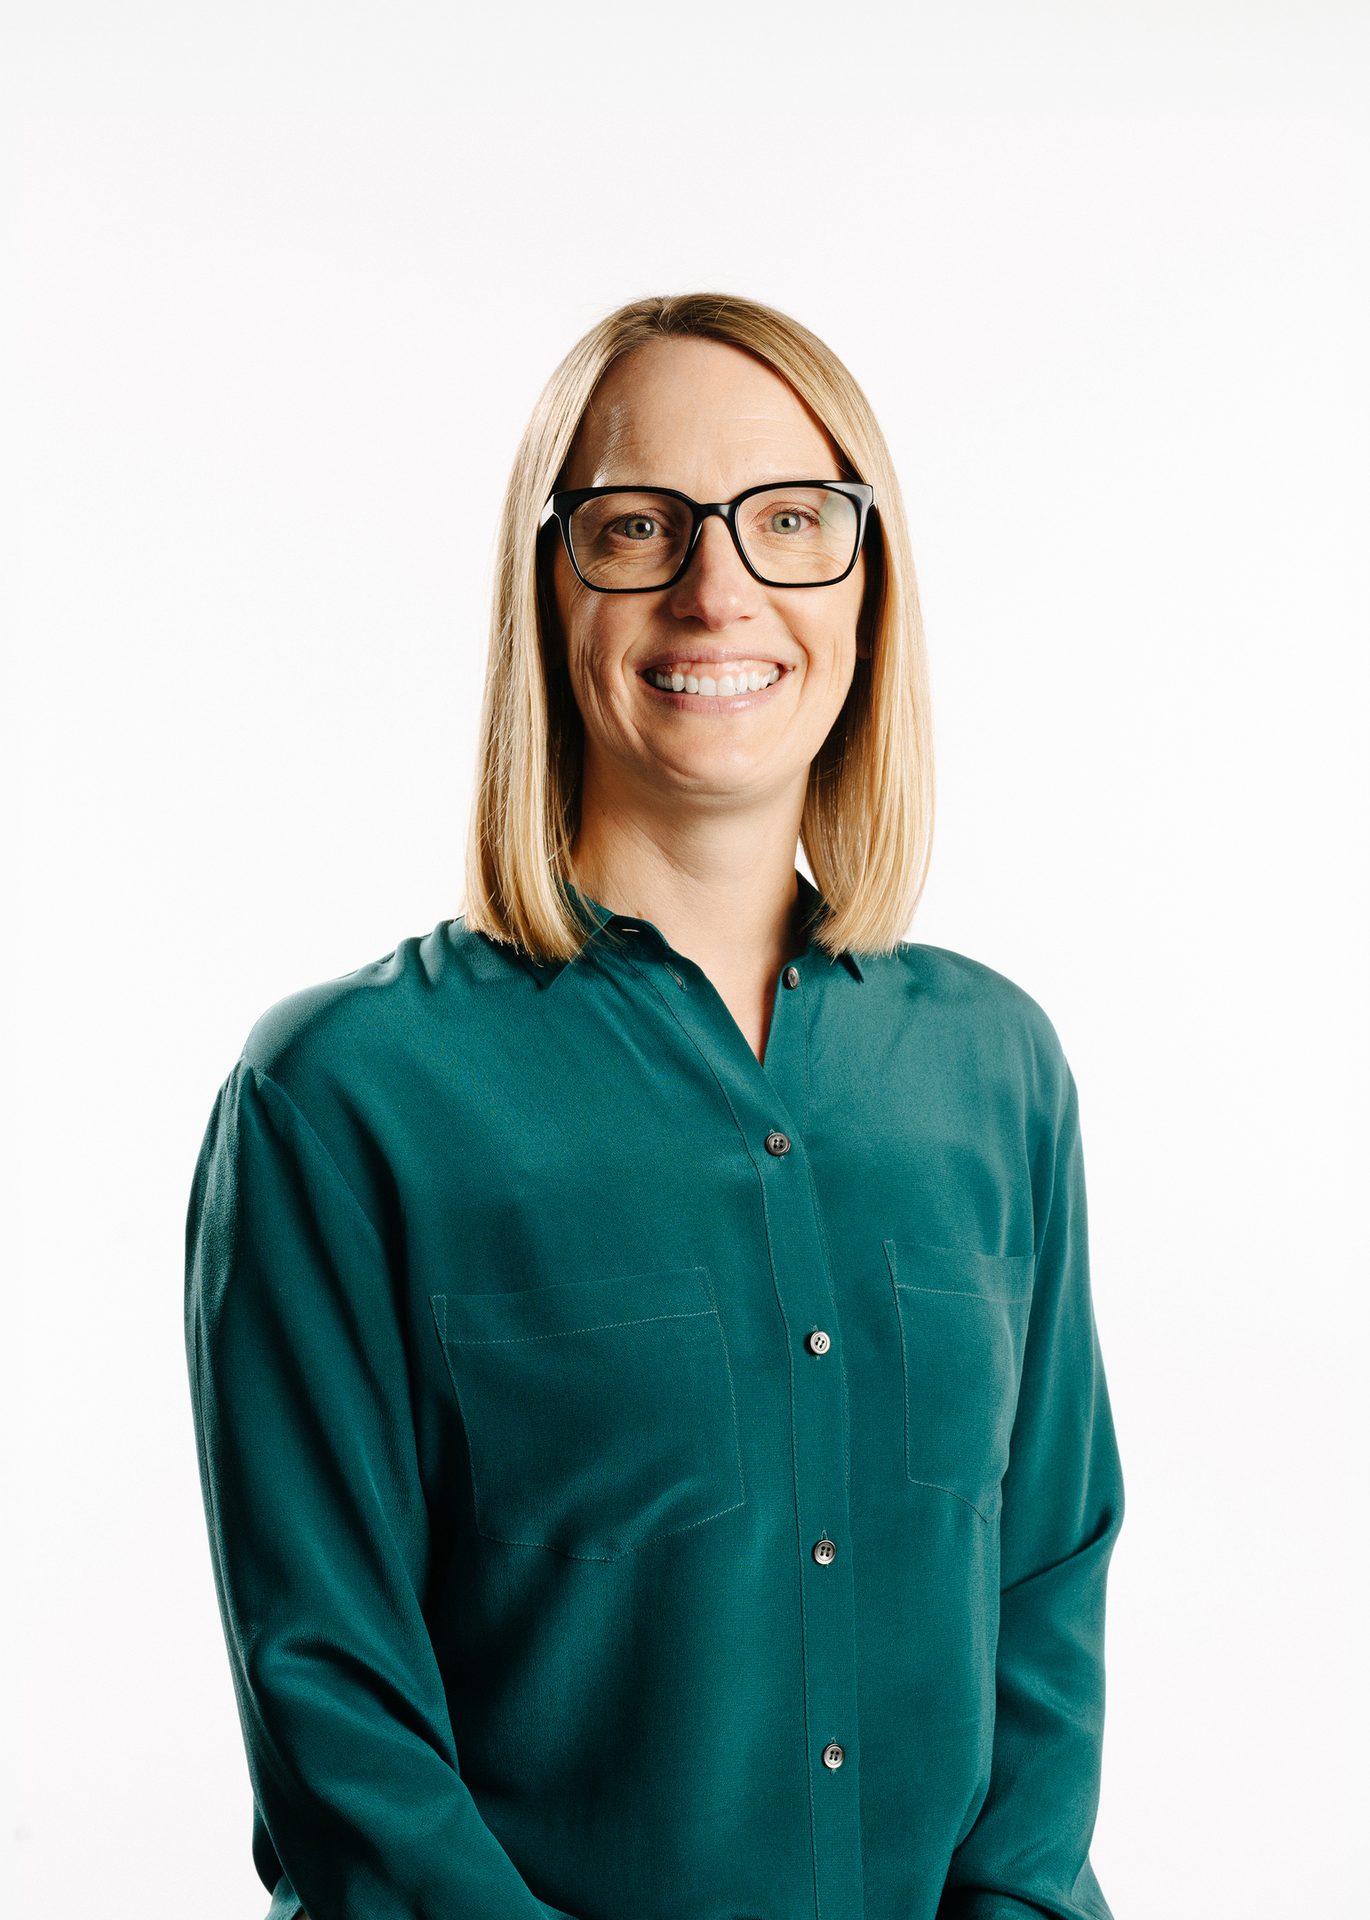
[[726, 684]]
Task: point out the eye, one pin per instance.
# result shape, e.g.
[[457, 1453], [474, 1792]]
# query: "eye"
[[790, 520], [638, 526]]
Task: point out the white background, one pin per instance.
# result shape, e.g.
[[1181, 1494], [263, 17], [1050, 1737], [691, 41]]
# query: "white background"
[[283, 283]]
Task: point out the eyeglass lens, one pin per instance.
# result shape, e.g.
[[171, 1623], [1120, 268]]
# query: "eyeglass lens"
[[791, 535]]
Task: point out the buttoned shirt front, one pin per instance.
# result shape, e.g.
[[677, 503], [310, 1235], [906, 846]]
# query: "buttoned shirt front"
[[646, 1482]]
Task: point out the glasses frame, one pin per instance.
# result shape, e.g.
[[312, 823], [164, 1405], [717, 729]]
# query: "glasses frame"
[[560, 506]]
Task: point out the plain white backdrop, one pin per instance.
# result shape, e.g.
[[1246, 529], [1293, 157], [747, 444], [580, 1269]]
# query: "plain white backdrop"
[[282, 284]]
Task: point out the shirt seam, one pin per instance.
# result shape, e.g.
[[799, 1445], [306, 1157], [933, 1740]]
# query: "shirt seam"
[[313, 1133], [827, 1256]]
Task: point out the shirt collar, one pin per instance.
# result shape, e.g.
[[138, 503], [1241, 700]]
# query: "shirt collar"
[[597, 916]]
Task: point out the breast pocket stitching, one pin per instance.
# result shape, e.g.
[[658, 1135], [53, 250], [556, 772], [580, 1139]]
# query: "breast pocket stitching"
[[600, 1415], [962, 1319]]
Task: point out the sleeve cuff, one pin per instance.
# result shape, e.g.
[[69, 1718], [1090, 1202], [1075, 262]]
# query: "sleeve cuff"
[[285, 1902]]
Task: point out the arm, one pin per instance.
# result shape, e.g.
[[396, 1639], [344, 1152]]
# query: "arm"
[[1027, 1854], [318, 1534]]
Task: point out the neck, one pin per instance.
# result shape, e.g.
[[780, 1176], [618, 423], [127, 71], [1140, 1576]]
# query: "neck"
[[727, 914]]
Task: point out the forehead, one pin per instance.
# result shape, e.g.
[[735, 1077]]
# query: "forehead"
[[712, 412]]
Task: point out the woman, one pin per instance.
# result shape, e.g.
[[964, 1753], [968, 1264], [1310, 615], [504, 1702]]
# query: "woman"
[[655, 1446]]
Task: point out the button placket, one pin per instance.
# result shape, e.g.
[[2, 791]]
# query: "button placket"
[[769, 1105], [820, 1414]]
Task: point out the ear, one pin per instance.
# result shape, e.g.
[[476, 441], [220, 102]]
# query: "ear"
[[865, 623], [871, 599], [553, 639]]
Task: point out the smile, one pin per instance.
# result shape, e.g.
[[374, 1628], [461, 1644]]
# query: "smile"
[[731, 683]]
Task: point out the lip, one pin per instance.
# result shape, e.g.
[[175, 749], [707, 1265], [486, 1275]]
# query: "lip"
[[713, 657], [718, 703]]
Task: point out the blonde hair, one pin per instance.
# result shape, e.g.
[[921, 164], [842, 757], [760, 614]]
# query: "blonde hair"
[[867, 822]]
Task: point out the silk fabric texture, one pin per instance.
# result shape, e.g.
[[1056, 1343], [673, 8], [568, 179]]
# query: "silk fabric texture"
[[644, 1482]]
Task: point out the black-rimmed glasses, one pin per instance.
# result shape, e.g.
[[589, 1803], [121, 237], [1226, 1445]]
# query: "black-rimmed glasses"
[[797, 533]]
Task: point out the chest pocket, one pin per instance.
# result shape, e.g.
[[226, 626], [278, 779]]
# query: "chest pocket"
[[963, 1320], [599, 1414]]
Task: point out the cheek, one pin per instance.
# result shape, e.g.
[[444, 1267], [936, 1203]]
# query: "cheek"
[[577, 612], [599, 629], [828, 634]]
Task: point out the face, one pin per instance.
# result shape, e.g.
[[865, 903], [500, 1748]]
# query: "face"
[[711, 420]]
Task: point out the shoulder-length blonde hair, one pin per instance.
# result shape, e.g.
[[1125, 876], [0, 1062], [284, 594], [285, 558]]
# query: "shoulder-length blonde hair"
[[866, 828]]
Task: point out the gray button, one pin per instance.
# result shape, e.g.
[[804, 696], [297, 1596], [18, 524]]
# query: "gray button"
[[818, 1341], [791, 976], [777, 1142], [833, 1756], [825, 1551]]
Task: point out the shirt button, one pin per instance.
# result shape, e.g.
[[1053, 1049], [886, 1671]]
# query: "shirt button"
[[833, 1755], [825, 1551], [777, 1142], [817, 1341], [791, 976]]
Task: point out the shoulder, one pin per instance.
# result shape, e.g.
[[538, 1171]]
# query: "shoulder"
[[329, 1042], [340, 1061], [1009, 1027]]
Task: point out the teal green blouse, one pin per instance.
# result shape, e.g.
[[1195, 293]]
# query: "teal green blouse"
[[647, 1483]]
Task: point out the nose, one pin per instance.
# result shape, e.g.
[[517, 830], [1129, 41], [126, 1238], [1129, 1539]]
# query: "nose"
[[716, 589]]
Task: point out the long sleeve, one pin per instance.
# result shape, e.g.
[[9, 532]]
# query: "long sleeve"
[[318, 1533], [1028, 1851]]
